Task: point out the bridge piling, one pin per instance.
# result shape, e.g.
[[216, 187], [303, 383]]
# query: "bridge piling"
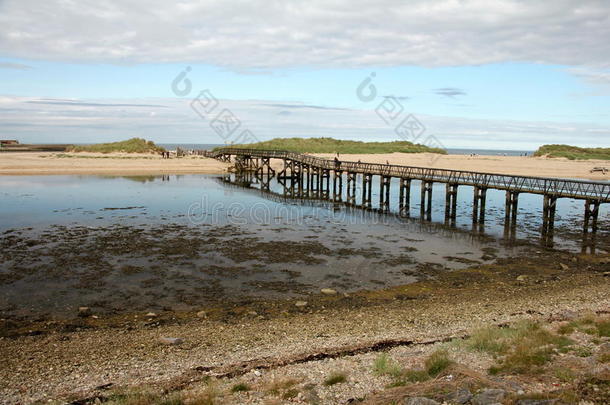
[[591, 215], [426, 200], [384, 193], [548, 214], [451, 202], [404, 197], [478, 205], [366, 189], [512, 203], [351, 187], [338, 185]]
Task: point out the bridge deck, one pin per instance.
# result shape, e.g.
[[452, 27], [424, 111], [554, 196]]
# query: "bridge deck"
[[578, 189]]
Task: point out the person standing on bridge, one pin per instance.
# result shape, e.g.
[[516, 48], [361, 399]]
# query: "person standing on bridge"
[[337, 163]]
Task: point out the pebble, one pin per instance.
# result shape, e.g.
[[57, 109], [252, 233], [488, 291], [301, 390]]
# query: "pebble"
[[201, 314], [300, 304], [151, 314], [564, 266], [328, 291], [522, 277], [171, 341]]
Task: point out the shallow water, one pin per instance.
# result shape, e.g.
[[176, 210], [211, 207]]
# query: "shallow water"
[[182, 241]]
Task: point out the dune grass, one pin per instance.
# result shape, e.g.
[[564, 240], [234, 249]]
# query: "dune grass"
[[573, 152], [330, 145], [133, 145]]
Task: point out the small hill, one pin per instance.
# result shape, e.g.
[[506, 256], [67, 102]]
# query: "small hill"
[[330, 145], [133, 145], [573, 152]]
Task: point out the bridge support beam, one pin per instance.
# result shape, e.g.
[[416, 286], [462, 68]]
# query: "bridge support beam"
[[367, 183], [426, 200], [478, 205], [404, 197], [384, 193], [548, 214], [451, 203], [351, 187], [591, 215], [512, 203], [338, 185], [325, 183]]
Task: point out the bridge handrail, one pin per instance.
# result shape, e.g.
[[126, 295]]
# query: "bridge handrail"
[[554, 186]]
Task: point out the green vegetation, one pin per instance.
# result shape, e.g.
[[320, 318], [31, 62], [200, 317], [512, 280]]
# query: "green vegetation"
[[330, 145], [335, 378], [437, 362], [573, 152], [133, 145], [588, 325], [523, 348], [384, 365], [241, 387]]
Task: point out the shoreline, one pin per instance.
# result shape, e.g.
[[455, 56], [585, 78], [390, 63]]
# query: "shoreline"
[[84, 163], [280, 338]]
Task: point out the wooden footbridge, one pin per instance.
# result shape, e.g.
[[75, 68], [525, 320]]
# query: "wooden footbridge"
[[313, 174]]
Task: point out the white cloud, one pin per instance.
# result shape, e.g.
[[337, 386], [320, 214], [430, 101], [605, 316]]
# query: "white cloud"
[[261, 34], [171, 120]]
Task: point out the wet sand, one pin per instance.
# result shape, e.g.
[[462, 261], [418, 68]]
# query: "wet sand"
[[34, 163]]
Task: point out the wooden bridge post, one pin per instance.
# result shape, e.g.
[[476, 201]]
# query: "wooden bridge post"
[[367, 180], [478, 205], [325, 183], [384, 193], [338, 184], [512, 202], [548, 214], [404, 197], [351, 187], [426, 199], [451, 203], [591, 215]]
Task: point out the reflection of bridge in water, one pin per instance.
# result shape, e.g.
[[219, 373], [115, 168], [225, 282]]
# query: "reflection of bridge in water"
[[245, 181], [306, 176]]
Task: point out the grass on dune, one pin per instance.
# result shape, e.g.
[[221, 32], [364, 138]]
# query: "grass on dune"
[[330, 145], [573, 152], [133, 145]]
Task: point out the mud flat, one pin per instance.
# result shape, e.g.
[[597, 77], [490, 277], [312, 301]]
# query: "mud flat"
[[284, 353]]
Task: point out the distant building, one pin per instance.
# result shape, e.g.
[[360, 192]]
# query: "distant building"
[[4, 142]]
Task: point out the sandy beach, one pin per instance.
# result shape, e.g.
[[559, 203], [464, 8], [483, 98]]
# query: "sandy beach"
[[33, 163]]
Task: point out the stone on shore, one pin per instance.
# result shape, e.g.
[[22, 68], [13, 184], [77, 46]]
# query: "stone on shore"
[[172, 341]]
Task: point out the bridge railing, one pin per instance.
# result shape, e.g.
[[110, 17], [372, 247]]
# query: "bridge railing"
[[580, 189]]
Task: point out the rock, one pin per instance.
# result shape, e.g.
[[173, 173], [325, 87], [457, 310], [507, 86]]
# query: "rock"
[[151, 315], [606, 274], [301, 304], [171, 341], [522, 277], [420, 401], [461, 396], [489, 397], [257, 373], [202, 314], [84, 311], [564, 266], [328, 291]]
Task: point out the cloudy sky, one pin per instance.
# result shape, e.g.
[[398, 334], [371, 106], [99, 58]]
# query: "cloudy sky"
[[473, 74]]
